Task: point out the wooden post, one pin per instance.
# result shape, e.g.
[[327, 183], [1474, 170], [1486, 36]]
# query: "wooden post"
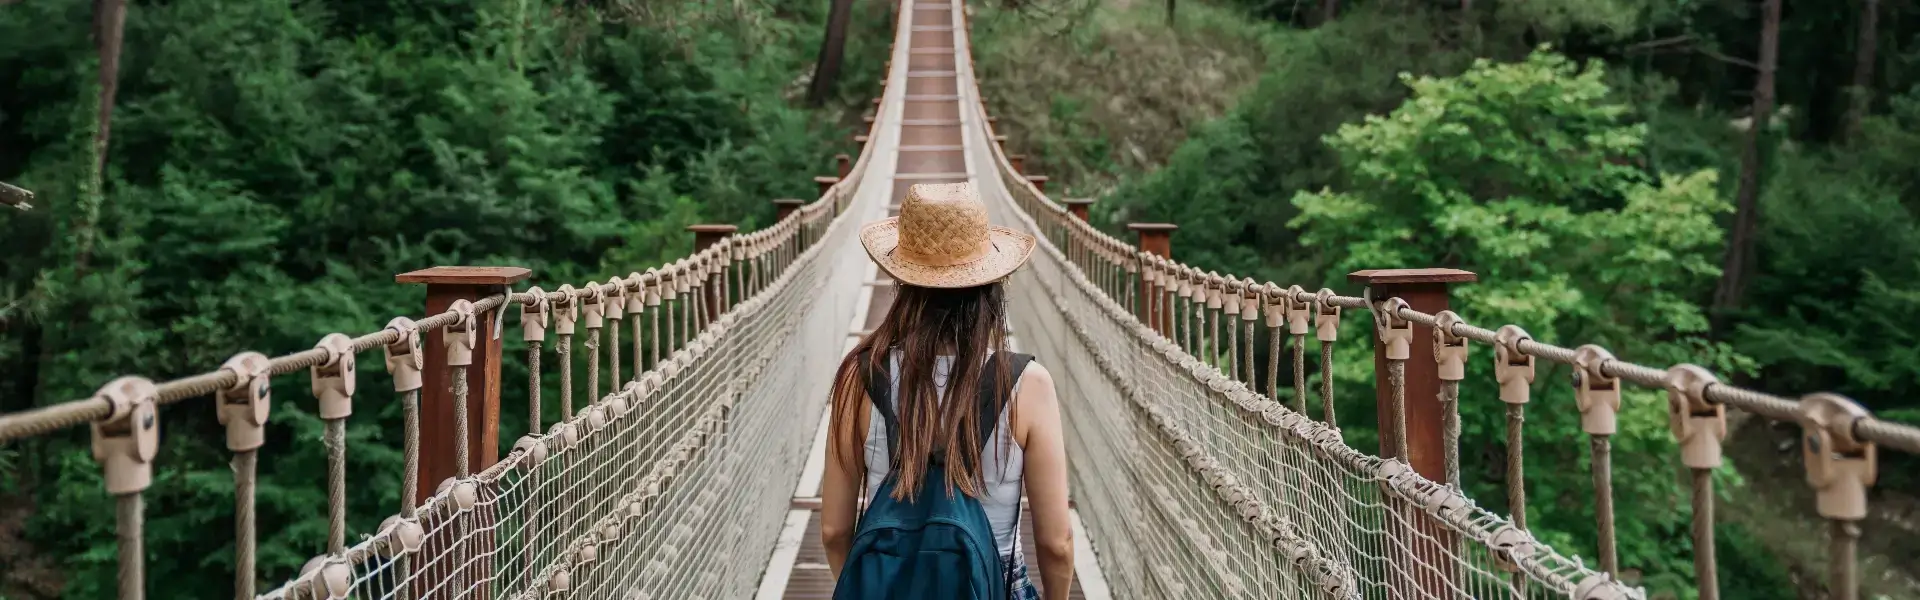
[[1019, 162], [1078, 207], [705, 236], [437, 450], [826, 183], [1424, 290], [784, 207], [1155, 239], [860, 140], [844, 164], [1001, 141], [1039, 182]]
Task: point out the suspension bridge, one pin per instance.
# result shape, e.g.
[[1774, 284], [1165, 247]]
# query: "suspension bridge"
[[687, 464]]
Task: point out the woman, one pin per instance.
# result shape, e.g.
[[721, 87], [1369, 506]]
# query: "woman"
[[894, 440]]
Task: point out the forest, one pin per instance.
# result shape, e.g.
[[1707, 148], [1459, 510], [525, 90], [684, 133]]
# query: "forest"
[[1721, 182], [1724, 182]]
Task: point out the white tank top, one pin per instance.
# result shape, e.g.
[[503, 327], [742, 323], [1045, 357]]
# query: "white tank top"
[[1002, 462]]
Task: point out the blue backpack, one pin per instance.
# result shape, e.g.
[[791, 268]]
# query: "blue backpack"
[[935, 545]]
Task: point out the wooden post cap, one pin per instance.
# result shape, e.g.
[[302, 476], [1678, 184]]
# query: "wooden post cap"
[[1407, 276], [466, 275]]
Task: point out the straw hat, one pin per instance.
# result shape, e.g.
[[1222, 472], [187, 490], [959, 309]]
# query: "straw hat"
[[942, 240]]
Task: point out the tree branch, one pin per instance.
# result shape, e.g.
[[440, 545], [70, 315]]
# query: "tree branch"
[[15, 196]]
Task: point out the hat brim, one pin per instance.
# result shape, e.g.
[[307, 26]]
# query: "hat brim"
[[1010, 250]]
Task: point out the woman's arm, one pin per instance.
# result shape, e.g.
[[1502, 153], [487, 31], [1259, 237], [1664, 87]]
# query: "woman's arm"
[[840, 485], [1039, 432]]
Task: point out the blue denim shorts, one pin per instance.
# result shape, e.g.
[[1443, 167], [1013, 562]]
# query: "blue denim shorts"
[[1019, 586]]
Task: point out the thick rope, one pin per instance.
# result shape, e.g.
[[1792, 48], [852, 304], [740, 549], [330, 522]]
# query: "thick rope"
[[1273, 364], [1603, 502], [1326, 382], [593, 366], [1300, 373], [245, 464], [1705, 566], [410, 475], [1397, 381], [462, 431], [1233, 348], [128, 525], [639, 357], [336, 443], [1843, 574], [613, 355], [534, 424], [1516, 465], [565, 349], [1450, 429]]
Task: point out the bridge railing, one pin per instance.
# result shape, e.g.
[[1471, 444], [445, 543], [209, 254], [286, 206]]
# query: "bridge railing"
[[1208, 321]]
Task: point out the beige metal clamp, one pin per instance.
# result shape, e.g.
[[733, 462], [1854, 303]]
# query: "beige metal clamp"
[[1840, 465], [1249, 301], [636, 294], [334, 380], [126, 440], [1299, 312], [244, 406], [405, 356], [1395, 332], [1596, 393], [594, 306], [670, 280], [1698, 425], [461, 335], [1448, 349], [1511, 367], [614, 299], [1216, 290], [653, 286], [566, 310], [1276, 305], [1184, 275], [536, 315], [685, 276], [1326, 316]]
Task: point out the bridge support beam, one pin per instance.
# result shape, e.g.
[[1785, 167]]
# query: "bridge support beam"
[[784, 207], [1078, 207], [437, 431], [1424, 290], [1155, 239]]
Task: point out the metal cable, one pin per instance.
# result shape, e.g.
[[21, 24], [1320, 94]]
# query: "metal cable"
[[1326, 382], [593, 365], [1450, 429], [1603, 503], [410, 474], [245, 463], [534, 422], [1705, 567], [129, 524], [565, 349], [1397, 381], [336, 443], [463, 432]]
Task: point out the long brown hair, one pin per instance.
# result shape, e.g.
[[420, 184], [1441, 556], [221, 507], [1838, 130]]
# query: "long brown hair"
[[966, 323]]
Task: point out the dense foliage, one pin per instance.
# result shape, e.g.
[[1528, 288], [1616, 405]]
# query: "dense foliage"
[[274, 163], [1595, 202]]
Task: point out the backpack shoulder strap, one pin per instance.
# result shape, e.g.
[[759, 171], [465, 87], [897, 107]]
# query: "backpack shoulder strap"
[[991, 389], [878, 380]]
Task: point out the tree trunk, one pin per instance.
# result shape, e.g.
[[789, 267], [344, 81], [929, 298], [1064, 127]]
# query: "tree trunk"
[[1739, 264], [1328, 10], [109, 19], [826, 72], [1864, 56], [1170, 12]]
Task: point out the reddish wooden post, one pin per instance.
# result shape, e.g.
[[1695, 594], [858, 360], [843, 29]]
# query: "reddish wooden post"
[[444, 286], [1039, 182], [843, 164], [860, 140], [1078, 207], [826, 183], [1019, 162], [1001, 141], [1424, 290], [784, 207], [439, 435], [1155, 239], [705, 236]]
